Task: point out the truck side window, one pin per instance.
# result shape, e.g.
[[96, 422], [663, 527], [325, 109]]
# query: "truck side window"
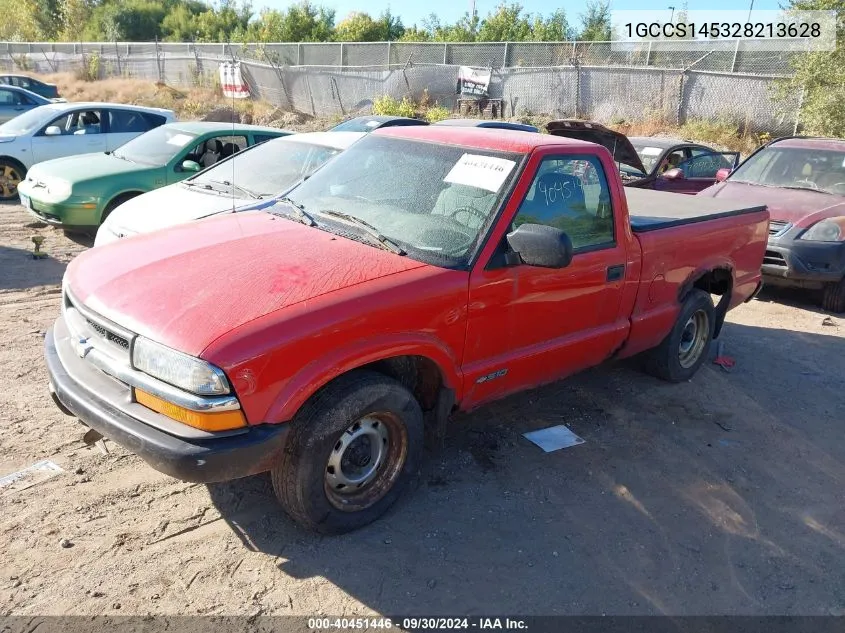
[[571, 194]]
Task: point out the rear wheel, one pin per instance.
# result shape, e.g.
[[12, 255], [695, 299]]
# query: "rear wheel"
[[115, 203], [833, 299], [686, 347], [351, 451], [11, 175]]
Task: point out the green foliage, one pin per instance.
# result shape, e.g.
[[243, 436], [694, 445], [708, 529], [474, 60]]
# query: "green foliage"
[[437, 113], [302, 22], [821, 77], [595, 23], [360, 27], [388, 106], [90, 69]]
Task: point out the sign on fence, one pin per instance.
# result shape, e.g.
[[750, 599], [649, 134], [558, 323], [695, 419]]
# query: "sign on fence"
[[232, 82], [473, 81]]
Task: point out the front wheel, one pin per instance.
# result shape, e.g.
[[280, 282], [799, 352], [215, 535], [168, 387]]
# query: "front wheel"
[[351, 451], [686, 347], [11, 175], [833, 299]]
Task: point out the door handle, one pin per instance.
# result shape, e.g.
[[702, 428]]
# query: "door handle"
[[615, 273]]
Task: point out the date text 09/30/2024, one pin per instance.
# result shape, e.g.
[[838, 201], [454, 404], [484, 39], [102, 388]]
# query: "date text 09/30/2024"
[[417, 624]]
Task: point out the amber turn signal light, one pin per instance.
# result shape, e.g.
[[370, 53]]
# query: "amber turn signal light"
[[218, 421]]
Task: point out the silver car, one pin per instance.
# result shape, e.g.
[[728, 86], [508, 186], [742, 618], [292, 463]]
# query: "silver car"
[[15, 101]]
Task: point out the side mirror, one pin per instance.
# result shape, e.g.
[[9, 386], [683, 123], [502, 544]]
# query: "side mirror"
[[541, 245], [190, 165], [722, 174], [674, 174], [53, 130]]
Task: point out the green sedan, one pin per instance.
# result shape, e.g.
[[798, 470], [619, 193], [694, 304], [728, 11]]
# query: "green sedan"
[[78, 192]]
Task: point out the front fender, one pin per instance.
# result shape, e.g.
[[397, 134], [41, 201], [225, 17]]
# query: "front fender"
[[319, 372]]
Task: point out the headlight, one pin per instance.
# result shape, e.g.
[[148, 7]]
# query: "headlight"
[[58, 188], [178, 369], [825, 231]]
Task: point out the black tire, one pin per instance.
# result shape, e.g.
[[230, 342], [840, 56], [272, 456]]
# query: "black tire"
[[305, 480], [833, 298], [687, 346], [12, 173]]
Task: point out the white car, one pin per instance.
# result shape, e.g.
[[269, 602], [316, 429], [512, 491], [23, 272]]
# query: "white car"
[[262, 172], [65, 129]]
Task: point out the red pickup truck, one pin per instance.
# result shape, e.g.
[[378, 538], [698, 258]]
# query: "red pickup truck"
[[425, 270]]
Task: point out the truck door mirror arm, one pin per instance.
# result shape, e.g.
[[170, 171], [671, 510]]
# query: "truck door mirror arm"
[[540, 245]]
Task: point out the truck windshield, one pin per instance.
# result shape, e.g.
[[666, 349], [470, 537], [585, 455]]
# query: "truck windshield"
[[795, 167], [434, 201]]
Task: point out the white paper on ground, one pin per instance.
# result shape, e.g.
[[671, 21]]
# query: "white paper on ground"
[[43, 469], [484, 172], [553, 438]]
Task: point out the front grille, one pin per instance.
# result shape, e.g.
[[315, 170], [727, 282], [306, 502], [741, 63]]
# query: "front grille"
[[109, 336], [773, 258], [778, 227]]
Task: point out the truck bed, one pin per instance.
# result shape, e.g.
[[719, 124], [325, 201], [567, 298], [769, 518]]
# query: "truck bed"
[[653, 210]]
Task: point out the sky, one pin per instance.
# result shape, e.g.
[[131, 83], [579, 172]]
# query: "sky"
[[451, 10]]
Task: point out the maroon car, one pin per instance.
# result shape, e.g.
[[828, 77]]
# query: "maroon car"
[[646, 162], [802, 181]]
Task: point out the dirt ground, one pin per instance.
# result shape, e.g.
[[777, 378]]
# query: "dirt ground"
[[724, 495]]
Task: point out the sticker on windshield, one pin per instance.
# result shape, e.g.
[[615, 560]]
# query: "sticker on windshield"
[[651, 151], [372, 123], [484, 172], [179, 140]]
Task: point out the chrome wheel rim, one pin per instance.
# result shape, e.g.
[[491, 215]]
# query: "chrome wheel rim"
[[9, 181], [365, 461], [693, 339]]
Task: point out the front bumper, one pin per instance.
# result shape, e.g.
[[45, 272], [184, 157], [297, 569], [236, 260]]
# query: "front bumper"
[[95, 398], [70, 213], [792, 261]]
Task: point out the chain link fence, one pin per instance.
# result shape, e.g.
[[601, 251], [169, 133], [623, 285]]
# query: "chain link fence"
[[728, 80]]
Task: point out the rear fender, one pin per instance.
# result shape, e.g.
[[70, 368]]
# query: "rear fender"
[[315, 375], [716, 277]]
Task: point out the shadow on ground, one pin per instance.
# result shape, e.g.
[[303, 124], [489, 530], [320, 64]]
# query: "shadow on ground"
[[697, 498], [19, 271]]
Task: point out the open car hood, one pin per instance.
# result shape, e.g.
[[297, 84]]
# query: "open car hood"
[[616, 143]]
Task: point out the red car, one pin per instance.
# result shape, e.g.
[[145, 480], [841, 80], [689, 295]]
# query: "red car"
[[802, 180], [424, 270], [651, 162]]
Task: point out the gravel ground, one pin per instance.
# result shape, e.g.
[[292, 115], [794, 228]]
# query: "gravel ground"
[[723, 495]]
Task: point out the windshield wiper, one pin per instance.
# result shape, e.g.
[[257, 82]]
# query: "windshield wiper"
[[187, 183], [299, 212], [368, 228], [121, 157], [243, 190], [805, 189]]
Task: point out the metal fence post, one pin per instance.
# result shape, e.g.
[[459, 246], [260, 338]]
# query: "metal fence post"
[[679, 114], [445, 53], [300, 60], [736, 52], [388, 54], [117, 54], [798, 111], [505, 58], [648, 54], [342, 64]]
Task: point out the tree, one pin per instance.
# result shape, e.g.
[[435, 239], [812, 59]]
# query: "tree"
[[555, 28], [359, 27], [303, 22], [19, 22], [595, 23], [821, 77], [505, 24]]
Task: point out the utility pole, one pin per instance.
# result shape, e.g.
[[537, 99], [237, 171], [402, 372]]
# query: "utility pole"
[[750, 9], [672, 16]]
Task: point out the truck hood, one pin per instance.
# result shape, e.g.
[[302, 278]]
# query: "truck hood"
[[76, 169], [800, 208], [189, 285], [615, 142], [168, 206]]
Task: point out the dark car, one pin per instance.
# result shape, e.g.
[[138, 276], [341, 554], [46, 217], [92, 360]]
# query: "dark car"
[[492, 123], [802, 181], [48, 91], [374, 122], [664, 164]]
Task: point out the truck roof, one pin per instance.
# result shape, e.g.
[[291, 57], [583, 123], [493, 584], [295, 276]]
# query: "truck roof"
[[482, 138]]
